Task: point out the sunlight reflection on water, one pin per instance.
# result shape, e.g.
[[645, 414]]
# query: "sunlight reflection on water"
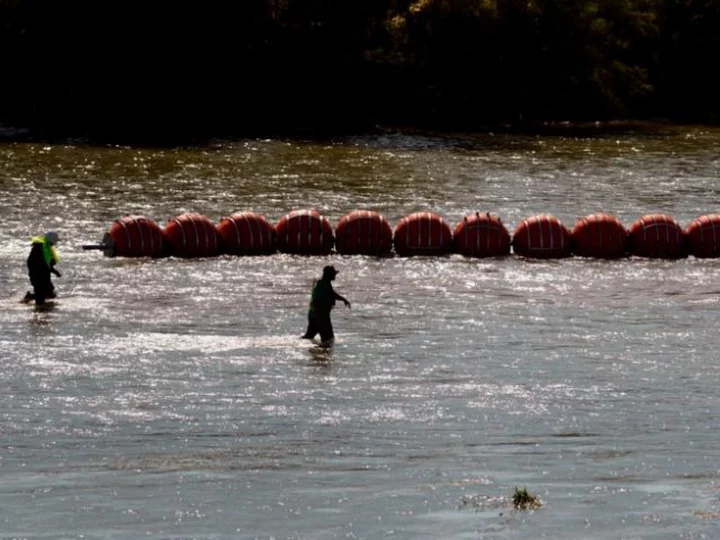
[[174, 397]]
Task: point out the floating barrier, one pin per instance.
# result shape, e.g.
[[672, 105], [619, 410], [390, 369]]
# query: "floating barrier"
[[599, 235], [657, 236], [133, 236], [702, 235], [304, 232], [191, 235], [481, 235], [423, 233], [246, 233], [366, 232], [363, 232], [542, 237]]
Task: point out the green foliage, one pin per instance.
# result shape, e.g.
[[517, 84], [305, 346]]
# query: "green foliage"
[[275, 64]]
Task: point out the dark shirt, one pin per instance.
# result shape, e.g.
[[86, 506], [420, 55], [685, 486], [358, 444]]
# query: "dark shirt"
[[36, 260], [323, 297]]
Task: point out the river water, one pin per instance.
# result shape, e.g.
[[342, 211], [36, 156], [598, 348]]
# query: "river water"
[[173, 399]]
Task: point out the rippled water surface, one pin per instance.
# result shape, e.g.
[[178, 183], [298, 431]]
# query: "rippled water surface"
[[172, 398]]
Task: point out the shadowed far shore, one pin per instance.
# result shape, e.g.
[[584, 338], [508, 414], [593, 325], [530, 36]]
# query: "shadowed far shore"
[[132, 73], [162, 138]]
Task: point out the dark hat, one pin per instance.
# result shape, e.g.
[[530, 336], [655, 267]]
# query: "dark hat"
[[52, 238], [329, 271]]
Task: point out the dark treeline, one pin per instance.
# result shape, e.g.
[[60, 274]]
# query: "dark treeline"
[[252, 66]]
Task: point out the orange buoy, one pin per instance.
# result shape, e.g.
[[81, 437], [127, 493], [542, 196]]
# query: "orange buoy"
[[599, 235], [191, 235], [363, 232], [422, 233], [133, 236], [246, 233], [657, 236], [702, 236], [542, 237], [481, 235], [304, 232]]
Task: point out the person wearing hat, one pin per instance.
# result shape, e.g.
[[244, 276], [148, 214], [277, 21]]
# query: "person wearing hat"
[[322, 301], [41, 263]]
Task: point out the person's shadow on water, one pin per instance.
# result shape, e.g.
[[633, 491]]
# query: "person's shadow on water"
[[321, 353], [44, 308]]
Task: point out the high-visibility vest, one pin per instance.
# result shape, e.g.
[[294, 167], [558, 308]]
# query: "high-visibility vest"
[[49, 252]]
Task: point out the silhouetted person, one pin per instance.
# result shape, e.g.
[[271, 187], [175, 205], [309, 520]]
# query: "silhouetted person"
[[321, 303], [41, 263]]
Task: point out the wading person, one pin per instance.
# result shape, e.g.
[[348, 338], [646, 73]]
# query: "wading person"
[[322, 301], [41, 263]]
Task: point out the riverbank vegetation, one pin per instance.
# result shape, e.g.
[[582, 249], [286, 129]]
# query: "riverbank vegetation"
[[283, 65]]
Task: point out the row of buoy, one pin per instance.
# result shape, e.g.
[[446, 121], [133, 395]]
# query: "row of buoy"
[[367, 232]]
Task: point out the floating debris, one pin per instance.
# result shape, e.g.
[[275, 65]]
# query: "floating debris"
[[524, 500]]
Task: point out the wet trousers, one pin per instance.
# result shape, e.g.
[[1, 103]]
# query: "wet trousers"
[[319, 323], [42, 286]]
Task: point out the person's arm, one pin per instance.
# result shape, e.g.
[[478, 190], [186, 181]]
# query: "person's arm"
[[53, 261], [339, 297]]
